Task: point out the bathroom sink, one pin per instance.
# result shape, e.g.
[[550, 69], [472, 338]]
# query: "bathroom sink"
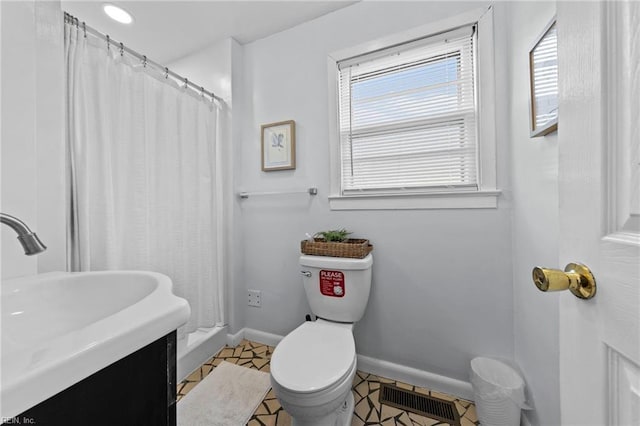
[[59, 328]]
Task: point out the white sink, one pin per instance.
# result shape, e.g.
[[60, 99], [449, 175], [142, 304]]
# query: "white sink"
[[59, 328]]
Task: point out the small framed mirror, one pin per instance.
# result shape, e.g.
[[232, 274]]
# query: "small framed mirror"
[[543, 81]]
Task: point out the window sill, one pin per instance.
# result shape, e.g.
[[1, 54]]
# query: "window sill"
[[442, 200]]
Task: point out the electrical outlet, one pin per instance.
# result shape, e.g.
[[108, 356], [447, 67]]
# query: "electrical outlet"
[[255, 298]]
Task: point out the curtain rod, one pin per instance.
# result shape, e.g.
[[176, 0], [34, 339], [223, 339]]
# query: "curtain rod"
[[143, 58]]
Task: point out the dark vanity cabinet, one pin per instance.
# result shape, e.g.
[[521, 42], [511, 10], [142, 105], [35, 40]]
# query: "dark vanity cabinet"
[[139, 389]]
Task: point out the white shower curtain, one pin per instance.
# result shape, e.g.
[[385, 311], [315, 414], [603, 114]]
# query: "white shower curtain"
[[145, 179]]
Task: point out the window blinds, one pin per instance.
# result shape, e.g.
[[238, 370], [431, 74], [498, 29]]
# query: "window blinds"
[[408, 117], [545, 78]]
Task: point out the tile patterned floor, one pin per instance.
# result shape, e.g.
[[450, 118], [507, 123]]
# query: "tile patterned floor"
[[368, 410]]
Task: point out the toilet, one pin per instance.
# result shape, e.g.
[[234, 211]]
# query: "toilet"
[[312, 368]]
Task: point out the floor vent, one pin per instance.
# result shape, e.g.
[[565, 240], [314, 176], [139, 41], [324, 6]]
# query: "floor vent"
[[423, 405]]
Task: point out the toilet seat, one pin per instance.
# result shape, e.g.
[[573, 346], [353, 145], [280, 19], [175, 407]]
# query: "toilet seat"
[[313, 357]]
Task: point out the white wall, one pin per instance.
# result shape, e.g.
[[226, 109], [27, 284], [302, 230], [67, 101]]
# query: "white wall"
[[534, 171], [442, 290], [32, 132]]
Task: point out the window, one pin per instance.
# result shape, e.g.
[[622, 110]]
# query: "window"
[[408, 122], [408, 117]]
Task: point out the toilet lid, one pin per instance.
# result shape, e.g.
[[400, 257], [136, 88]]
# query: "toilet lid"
[[313, 357]]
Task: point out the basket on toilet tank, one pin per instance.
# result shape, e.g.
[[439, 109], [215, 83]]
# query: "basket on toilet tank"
[[351, 248], [337, 288]]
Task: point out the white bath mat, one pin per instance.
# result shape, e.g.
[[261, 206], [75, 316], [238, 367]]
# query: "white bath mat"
[[226, 397]]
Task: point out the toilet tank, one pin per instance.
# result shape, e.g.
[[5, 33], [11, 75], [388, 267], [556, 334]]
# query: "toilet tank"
[[337, 288]]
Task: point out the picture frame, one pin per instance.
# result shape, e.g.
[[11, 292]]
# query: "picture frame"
[[278, 141], [543, 82]]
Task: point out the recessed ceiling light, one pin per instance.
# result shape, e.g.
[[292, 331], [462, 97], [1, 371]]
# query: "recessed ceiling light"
[[117, 14]]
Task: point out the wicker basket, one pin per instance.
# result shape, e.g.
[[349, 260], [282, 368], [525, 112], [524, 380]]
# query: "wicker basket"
[[353, 248]]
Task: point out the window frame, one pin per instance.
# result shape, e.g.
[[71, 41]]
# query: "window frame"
[[487, 193]]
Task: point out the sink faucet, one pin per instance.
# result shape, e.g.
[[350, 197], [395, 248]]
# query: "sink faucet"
[[29, 240]]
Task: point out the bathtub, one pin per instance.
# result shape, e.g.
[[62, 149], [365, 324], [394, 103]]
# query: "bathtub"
[[197, 347]]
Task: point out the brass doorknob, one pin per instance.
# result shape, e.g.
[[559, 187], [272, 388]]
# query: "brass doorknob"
[[577, 278]]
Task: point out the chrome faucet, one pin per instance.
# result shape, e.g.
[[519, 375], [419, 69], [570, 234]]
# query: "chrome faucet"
[[29, 240]]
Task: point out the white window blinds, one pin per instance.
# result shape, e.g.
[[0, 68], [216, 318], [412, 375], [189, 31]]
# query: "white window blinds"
[[545, 78], [408, 117]]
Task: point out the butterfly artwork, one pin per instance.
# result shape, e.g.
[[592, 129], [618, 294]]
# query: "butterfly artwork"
[[277, 140], [278, 146]]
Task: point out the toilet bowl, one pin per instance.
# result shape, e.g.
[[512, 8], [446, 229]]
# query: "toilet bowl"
[[312, 372], [312, 368]]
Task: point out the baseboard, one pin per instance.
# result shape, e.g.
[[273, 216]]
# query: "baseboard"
[[262, 337], [255, 336], [234, 340], [415, 377]]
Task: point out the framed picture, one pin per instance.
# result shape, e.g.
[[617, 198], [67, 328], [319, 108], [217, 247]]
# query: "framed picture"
[[278, 146], [543, 78]]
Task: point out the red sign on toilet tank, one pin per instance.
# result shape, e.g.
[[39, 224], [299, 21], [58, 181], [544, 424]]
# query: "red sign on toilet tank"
[[332, 283]]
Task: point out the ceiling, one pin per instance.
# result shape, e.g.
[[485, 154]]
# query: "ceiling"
[[168, 30]]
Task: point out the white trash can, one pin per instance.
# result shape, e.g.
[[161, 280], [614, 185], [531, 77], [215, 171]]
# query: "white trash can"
[[499, 392]]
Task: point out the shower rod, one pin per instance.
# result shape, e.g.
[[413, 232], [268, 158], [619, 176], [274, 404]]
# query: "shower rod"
[[70, 19]]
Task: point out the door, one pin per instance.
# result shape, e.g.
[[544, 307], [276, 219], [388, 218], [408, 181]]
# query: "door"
[[599, 134]]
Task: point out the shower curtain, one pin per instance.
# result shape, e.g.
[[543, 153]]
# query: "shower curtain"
[[144, 175]]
